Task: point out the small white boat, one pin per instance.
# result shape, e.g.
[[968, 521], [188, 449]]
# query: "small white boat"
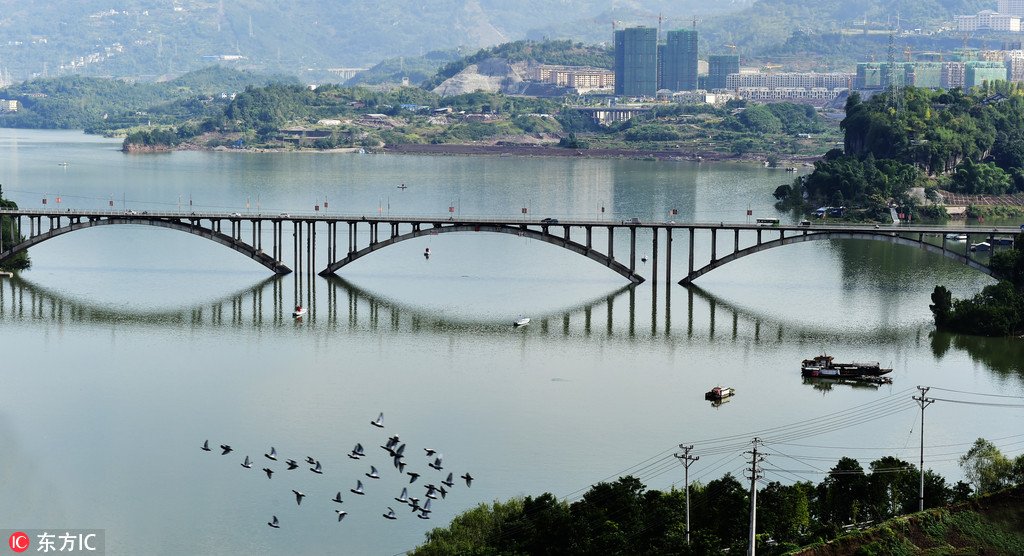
[[983, 246], [521, 321], [957, 237], [299, 311]]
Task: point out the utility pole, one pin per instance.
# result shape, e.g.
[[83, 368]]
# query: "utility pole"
[[755, 474], [687, 459], [923, 402]]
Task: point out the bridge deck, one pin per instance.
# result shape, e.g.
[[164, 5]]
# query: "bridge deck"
[[575, 235]]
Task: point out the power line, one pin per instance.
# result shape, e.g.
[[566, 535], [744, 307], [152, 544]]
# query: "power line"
[[988, 404], [978, 393]]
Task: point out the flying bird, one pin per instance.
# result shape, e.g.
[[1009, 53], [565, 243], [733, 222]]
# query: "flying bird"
[[426, 507], [273, 454], [292, 464], [468, 478], [412, 476], [274, 523], [298, 497], [337, 497], [373, 473], [206, 446], [431, 489], [424, 515], [358, 489], [436, 464], [310, 460], [390, 514], [357, 452], [429, 452], [399, 464], [225, 449], [442, 491], [404, 498], [268, 471], [317, 469], [448, 482], [379, 422], [341, 514], [247, 463]]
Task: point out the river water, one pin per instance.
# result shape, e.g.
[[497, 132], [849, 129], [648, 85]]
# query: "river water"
[[124, 348]]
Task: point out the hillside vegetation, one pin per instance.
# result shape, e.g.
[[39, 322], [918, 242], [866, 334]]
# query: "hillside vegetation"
[[990, 524], [624, 518]]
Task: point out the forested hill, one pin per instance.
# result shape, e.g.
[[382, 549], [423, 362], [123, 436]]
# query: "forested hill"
[[147, 39], [770, 22], [93, 103], [150, 38]]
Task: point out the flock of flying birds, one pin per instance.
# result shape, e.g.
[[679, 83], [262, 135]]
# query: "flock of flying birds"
[[395, 450]]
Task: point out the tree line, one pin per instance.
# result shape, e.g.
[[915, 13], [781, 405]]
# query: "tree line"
[[11, 234], [625, 518]]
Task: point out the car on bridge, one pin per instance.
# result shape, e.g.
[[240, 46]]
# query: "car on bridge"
[[549, 221], [236, 214]]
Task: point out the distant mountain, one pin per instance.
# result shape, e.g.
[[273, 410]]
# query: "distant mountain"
[[317, 40], [150, 39]]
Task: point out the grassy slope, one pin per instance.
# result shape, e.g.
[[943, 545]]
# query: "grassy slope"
[[991, 524]]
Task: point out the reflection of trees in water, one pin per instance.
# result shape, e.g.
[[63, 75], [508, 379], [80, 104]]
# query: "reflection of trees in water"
[[1005, 356], [886, 265], [767, 326]]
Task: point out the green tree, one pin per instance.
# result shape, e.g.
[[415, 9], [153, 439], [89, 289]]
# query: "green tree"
[[844, 493], [11, 235], [760, 119], [987, 469], [785, 511], [893, 486]]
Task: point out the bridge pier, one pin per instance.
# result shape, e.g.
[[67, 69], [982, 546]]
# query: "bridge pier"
[[611, 243], [714, 245], [654, 256], [691, 251], [668, 255], [632, 249]]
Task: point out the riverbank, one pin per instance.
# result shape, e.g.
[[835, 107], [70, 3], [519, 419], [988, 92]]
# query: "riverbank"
[[532, 150]]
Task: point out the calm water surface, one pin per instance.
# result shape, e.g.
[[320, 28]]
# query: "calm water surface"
[[124, 348]]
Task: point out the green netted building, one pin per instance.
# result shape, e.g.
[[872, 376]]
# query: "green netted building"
[[977, 73], [636, 62]]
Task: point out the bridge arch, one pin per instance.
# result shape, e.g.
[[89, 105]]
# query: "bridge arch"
[[516, 230], [190, 227], [887, 237]]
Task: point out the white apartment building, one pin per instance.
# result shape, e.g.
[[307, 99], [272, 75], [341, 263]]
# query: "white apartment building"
[[988, 20], [1011, 7]]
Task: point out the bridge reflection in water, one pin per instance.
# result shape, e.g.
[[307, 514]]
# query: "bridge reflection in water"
[[342, 306], [720, 243]]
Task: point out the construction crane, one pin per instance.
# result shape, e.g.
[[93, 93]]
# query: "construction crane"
[[770, 67], [660, 19], [696, 21], [732, 46], [612, 21], [908, 51]]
